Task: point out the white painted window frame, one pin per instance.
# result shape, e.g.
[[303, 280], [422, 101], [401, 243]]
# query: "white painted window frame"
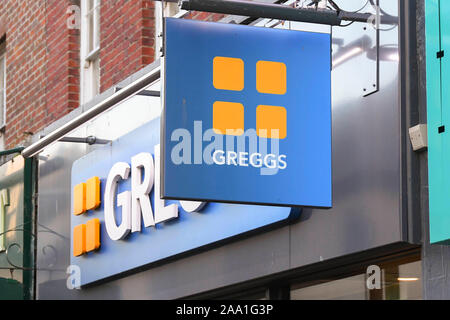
[[90, 50], [172, 10], [88, 37]]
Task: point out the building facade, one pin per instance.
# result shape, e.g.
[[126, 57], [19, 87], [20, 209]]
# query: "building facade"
[[61, 59]]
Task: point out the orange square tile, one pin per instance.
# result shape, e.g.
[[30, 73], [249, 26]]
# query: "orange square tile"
[[271, 122], [271, 77], [79, 240], [92, 235], [79, 199], [228, 73], [92, 193], [228, 118]]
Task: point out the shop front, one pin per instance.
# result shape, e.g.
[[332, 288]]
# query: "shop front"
[[17, 237], [103, 231]]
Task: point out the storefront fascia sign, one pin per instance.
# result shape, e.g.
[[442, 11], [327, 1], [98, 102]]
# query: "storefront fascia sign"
[[119, 224]]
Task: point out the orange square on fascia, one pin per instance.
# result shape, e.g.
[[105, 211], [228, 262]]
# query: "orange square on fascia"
[[92, 235], [79, 199], [92, 193], [79, 240]]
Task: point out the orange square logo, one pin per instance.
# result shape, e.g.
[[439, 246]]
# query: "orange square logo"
[[93, 193], [92, 235], [79, 240], [79, 199], [271, 77], [271, 122], [228, 118], [228, 73]]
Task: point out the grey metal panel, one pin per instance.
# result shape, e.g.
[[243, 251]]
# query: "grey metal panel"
[[414, 112], [53, 230], [261, 255], [54, 194], [367, 210]]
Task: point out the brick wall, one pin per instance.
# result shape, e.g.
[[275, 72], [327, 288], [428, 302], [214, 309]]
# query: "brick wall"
[[204, 16], [43, 64], [24, 26], [63, 62], [42, 67], [127, 39]]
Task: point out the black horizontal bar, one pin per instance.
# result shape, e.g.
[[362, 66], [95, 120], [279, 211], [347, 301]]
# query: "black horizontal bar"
[[88, 140], [281, 12], [262, 10]]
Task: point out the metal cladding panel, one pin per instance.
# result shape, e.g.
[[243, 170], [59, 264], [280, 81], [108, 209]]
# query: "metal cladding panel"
[[367, 158], [367, 208]]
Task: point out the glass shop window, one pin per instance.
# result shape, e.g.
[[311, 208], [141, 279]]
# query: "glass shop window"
[[399, 280]]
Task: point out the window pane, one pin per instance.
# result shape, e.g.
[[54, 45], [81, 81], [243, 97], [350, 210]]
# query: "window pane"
[[2, 106], [250, 295], [92, 25], [352, 288], [90, 22], [96, 28], [2, 88], [95, 77], [399, 280], [403, 282]]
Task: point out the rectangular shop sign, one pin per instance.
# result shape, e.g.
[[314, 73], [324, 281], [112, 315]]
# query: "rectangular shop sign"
[[247, 115]]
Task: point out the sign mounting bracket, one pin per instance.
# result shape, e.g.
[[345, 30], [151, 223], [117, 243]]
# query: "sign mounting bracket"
[[283, 12]]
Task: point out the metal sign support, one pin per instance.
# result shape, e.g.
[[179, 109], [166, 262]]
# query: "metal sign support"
[[282, 12]]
